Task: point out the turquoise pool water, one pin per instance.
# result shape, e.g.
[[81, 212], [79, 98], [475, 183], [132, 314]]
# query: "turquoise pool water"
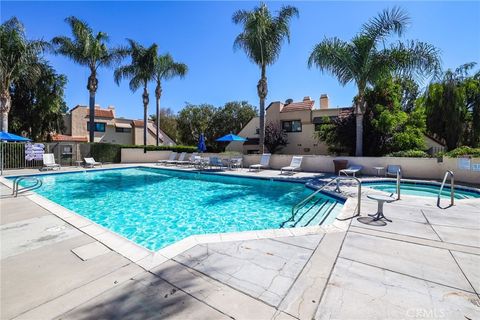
[[156, 207], [420, 189]]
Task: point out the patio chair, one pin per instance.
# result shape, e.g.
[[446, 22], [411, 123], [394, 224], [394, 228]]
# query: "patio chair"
[[189, 161], [264, 163], [392, 170], [171, 158], [49, 162], [91, 163], [200, 163], [180, 159], [295, 165], [350, 170], [216, 162], [236, 162]]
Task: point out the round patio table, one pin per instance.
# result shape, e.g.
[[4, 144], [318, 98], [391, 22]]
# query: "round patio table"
[[381, 199]]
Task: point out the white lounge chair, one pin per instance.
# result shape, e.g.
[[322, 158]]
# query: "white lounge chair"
[[173, 161], [294, 165], [351, 170], [90, 163], [180, 159], [171, 157], [392, 170], [49, 162], [190, 160], [264, 163]]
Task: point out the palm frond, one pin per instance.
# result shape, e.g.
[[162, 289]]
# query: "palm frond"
[[389, 21]]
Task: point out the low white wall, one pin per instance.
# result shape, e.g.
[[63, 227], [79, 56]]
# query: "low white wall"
[[422, 168]]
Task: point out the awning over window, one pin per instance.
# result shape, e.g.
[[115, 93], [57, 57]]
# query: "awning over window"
[[122, 125]]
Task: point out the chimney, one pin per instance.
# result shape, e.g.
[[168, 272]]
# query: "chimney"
[[307, 98], [288, 101], [323, 101]]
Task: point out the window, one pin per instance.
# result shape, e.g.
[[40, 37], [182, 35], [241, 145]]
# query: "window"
[[292, 126], [99, 126], [125, 130]]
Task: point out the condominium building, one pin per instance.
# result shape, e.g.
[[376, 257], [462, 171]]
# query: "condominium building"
[[108, 128], [299, 120]]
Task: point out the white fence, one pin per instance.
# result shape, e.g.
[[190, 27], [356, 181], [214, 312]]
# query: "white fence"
[[421, 168]]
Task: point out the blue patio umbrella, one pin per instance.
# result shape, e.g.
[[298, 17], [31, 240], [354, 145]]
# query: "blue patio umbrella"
[[231, 137], [8, 137], [201, 144]]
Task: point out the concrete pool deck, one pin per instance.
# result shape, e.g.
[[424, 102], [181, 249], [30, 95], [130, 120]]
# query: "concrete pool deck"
[[423, 265]]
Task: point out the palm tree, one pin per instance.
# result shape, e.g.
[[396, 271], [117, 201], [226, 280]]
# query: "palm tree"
[[165, 69], [362, 62], [261, 39], [140, 72], [90, 50], [19, 59]]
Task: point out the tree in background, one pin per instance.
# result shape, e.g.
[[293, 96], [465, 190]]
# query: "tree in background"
[[452, 107], [194, 120], [275, 137], [388, 127], [38, 108], [140, 71], [261, 39], [169, 122], [90, 50], [165, 68], [365, 60], [19, 61]]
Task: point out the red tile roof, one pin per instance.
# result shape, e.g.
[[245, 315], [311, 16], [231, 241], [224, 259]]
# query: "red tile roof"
[[62, 137], [102, 113], [299, 106], [138, 123]]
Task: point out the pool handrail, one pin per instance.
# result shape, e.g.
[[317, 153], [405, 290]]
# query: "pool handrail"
[[297, 207], [16, 185], [452, 187], [399, 180]]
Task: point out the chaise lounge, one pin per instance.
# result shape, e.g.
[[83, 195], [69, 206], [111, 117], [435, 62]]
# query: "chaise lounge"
[[295, 165], [91, 163], [49, 162], [264, 163], [353, 170]]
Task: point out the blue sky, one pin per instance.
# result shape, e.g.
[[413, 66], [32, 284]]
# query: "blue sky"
[[201, 35]]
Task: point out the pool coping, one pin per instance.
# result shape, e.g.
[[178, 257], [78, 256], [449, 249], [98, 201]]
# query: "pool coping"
[[148, 259]]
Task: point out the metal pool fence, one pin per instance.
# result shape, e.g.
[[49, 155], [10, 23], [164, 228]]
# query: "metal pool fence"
[[65, 153]]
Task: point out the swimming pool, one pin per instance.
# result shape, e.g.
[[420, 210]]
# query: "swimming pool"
[[157, 207], [420, 189]]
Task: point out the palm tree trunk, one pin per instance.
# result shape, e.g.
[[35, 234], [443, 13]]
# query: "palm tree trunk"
[[158, 94], [262, 91], [145, 111], [5, 103], [359, 126], [92, 88]]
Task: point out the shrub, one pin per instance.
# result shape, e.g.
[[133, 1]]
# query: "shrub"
[[463, 151], [409, 154], [108, 152]]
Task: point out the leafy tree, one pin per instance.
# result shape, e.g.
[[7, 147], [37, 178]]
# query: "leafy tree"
[[261, 39], [90, 50], [140, 71], [452, 107], [388, 128], [366, 59], [165, 68], [275, 137], [38, 109], [169, 122], [194, 120], [18, 61]]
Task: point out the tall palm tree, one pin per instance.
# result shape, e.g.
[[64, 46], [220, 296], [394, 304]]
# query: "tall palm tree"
[[362, 61], [90, 50], [165, 68], [19, 59], [261, 39], [140, 71]]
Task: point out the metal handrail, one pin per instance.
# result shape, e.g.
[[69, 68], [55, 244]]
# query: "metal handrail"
[[297, 207], [399, 178], [16, 185], [452, 187]]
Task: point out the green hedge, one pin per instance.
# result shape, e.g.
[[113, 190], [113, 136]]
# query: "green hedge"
[[464, 151], [108, 152], [409, 154]]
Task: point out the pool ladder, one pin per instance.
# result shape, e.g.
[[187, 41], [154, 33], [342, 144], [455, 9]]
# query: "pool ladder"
[[17, 189], [296, 208], [452, 188]]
